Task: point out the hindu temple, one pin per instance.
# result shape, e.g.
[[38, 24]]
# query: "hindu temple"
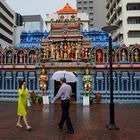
[[66, 47]]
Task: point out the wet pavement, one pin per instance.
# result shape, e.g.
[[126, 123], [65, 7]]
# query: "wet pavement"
[[89, 122]]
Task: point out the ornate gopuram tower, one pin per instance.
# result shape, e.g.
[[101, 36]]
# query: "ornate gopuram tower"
[[65, 48]]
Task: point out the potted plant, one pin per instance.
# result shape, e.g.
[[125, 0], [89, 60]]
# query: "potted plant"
[[33, 96], [91, 99], [40, 99], [98, 97]]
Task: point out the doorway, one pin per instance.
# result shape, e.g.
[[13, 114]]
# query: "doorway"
[[73, 85]]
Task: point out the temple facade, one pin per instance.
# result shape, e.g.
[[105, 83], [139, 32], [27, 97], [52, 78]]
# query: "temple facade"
[[66, 47]]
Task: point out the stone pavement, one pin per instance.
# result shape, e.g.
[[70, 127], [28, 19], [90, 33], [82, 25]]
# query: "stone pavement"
[[89, 122]]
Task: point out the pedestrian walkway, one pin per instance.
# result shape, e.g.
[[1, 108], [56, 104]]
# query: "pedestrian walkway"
[[89, 122]]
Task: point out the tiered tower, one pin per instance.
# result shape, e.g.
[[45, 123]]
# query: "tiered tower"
[[65, 41]]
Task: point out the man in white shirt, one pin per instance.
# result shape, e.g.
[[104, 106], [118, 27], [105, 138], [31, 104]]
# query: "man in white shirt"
[[64, 92]]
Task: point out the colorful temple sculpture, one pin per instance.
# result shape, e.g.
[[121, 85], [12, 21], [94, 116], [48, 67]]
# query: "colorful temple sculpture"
[[87, 78], [66, 47], [43, 79]]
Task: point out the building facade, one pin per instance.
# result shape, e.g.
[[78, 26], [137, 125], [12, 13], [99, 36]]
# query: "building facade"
[[65, 47], [96, 11], [32, 23], [7, 23], [126, 15]]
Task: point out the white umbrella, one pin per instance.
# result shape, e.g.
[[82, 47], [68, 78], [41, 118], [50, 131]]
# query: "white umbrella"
[[70, 77]]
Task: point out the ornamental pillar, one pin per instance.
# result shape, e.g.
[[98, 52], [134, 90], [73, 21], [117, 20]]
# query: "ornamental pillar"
[[118, 80], [37, 79], [131, 81], [93, 81], [80, 89], [14, 80], [50, 85], [3, 75], [106, 75]]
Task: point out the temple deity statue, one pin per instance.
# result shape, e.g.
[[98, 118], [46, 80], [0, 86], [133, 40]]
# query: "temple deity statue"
[[32, 58], [43, 78], [73, 53], [113, 56], [53, 51], [47, 53], [38, 57], [65, 52], [61, 50], [77, 51], [76, 54], [57, 52], [87, 79], [136, 55], [89, 54], [123, 56], [68, 49], [99, 56], [9, 58], [83, 53], [43, 50], [86, 53], [21, 57]]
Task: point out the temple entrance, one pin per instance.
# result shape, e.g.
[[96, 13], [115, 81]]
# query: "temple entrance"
[[73, 85]]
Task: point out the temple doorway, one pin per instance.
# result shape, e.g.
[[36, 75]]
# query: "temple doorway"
[[73, 85]]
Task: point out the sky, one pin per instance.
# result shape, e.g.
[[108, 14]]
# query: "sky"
[[41, 7]]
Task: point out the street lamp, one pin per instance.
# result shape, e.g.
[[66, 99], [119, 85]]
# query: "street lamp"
[[111, 125]]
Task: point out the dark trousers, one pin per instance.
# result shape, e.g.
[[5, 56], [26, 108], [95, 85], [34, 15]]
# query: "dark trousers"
[[65, 105]]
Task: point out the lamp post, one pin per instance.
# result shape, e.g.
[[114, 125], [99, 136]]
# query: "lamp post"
[[111, 125]]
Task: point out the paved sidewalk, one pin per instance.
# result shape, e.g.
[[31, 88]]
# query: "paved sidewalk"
[[89, 122]]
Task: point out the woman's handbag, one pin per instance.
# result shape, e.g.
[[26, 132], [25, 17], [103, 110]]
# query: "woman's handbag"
[[28, 103]]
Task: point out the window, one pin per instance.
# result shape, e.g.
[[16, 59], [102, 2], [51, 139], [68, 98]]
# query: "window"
[[90, 14], [90, 8], [79, 8], [90, 2], [32, 26], [85, 8], [133, 6], [134, 34], [133, 20], [85, 2], [79, 2]]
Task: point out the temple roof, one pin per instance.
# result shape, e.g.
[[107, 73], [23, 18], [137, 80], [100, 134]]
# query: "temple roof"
[[67, 10]]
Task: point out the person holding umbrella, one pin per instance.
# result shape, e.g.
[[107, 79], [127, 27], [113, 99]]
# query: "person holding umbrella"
[[64, 92]]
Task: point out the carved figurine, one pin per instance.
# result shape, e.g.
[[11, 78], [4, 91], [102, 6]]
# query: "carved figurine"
[[136, 56], [32, 58], [21, 57], [9, 58], [43, 78], [87, 83], [47, 53], [123, 56], [99, 56], [65, 52]]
